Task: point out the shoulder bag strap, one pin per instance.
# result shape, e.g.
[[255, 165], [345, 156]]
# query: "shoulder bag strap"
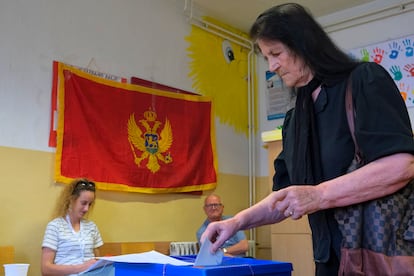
[[350, 116]]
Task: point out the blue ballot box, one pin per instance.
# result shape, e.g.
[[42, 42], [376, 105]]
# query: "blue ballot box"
[[230, 266]]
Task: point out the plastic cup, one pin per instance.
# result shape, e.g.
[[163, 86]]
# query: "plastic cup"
[[16, 269]]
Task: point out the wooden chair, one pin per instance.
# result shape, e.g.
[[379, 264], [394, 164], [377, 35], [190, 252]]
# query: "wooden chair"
[[110, 249], [121, 248], [162, 247], [136, 247], [6, 257]]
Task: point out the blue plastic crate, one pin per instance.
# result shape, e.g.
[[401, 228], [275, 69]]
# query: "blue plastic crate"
[[230, 266]]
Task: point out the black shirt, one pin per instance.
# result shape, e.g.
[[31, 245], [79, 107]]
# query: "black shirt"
[[382, 127]]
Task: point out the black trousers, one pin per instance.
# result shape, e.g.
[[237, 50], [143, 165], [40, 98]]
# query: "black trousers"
[[329, 268]]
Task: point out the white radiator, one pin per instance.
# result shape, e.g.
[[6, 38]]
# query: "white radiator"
[[183, 248], [251, 252]]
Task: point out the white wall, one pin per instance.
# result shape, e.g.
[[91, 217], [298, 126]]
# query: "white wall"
[[349, 38], [123, 37], [377, 31], [143, 38]]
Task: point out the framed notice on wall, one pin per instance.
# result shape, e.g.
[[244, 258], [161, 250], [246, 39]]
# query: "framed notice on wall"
[[397, 57], [279, 97]]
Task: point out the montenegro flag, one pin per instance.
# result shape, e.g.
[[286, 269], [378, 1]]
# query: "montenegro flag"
[[133, 138]]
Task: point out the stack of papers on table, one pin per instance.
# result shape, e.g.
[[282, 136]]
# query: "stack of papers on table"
[[146, 257]]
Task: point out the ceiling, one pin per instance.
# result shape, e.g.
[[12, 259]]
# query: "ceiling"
[[242, 13]]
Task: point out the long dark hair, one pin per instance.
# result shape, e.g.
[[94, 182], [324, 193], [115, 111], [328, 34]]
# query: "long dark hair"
[[295, 27]]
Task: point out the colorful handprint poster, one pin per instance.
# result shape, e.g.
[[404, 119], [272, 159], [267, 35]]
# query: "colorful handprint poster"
[[397, 57]]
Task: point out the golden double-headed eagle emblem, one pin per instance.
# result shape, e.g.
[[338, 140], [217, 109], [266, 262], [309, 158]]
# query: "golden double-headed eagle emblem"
[[147, 143]]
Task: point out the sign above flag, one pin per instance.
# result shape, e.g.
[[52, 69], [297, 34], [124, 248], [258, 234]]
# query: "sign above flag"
[[132, 138]]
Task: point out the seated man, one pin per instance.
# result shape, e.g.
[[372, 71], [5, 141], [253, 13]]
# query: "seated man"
[[237, 245]]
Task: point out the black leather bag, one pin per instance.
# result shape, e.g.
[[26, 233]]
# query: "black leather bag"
[[378, 235]]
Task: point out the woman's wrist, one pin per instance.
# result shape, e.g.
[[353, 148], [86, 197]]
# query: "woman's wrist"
[[239, 220]]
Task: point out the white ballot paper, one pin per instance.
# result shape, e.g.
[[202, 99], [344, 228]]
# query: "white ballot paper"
[[146, 257], [206, 258]]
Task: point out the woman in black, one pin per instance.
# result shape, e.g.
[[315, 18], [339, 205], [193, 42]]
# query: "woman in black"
[[311, 171]]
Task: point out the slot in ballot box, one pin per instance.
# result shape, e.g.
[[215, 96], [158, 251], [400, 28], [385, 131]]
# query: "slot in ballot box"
[[230, 266]]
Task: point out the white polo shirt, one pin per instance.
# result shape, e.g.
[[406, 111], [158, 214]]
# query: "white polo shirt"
[[72, 247]]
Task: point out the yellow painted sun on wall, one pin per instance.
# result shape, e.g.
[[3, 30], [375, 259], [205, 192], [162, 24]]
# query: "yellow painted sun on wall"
[[219, 69]]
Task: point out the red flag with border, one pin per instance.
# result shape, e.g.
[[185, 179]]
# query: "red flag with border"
[[131, 138], [53, 110]]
